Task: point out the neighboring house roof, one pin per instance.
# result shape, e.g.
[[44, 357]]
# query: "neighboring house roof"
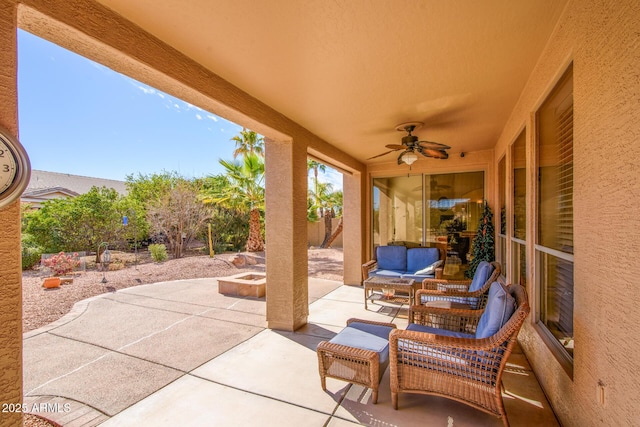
[[36, 197], [41, 180], [47, 191], [45, 186]]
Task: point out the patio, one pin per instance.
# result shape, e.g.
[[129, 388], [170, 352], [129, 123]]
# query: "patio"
[[180, 353]]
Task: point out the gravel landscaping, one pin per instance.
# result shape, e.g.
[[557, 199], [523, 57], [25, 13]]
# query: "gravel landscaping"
[[42, 306]]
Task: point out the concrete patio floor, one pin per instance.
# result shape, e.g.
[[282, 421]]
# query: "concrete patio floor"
[[180, 353]]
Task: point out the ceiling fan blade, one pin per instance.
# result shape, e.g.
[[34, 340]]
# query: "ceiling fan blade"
[[380, 155], [396, 147], [433, 145], [436, 154]]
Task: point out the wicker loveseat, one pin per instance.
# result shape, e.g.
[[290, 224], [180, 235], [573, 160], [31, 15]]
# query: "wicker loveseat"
[[403, 262], [464, 357]]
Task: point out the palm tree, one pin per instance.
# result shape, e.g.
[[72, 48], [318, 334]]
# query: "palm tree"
[[248, 142], [330, 204], [336, 201], [244, 192], [312, 164]]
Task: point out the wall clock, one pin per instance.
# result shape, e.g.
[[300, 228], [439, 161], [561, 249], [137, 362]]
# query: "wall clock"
[[15, 168]]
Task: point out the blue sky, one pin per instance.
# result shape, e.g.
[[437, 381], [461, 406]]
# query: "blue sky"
[[79, 117]]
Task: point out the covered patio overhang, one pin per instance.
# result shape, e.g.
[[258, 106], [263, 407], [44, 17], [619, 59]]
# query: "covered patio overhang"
[[139, 47]]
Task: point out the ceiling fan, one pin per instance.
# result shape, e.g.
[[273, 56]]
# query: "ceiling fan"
[[410, 146]]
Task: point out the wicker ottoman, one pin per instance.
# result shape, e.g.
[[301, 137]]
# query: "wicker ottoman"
[[358, 354]]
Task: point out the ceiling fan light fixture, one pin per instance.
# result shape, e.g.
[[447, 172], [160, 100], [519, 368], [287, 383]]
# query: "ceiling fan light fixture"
[[409, 157]]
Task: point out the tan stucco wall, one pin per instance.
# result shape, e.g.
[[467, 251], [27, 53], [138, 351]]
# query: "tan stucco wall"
[[601, 37], [286, 250], [10, 269], [315, 233]]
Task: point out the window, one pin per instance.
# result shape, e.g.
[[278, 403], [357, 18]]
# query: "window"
[[554, 239], [502, 203], [519, 209]]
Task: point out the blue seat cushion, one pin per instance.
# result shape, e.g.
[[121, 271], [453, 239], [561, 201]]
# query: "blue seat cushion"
[[482, 274], [357, 338], [417, 277], [500, 307], [377, 330], [428, 329], [392, 258], [420, 258], [385, 273]]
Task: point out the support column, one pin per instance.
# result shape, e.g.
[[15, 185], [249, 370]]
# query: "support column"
[[286, 234], [354, 187], [10, 256]]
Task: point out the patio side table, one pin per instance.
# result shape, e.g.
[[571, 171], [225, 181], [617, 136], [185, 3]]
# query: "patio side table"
[[390, 283]]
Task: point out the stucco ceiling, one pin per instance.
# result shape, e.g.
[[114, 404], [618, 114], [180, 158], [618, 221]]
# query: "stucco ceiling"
[[351, 70]]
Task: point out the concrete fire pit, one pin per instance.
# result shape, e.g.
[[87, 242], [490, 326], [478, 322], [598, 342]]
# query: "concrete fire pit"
[[243, 284]]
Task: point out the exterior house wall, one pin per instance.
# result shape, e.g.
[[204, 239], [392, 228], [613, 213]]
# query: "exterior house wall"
[[601, 38]]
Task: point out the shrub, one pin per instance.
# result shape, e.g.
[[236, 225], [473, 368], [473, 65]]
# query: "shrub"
[[61, 263], [30, 256], [31, 251], [158, 252]]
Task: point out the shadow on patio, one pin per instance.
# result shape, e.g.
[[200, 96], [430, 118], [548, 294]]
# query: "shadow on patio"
[[180, 353]]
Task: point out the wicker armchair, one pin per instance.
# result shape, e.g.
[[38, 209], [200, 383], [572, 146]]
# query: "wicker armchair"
[[454, 364], [456, 291]]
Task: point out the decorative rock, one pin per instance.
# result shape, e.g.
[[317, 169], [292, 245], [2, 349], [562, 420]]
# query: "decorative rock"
[[239, 260], [51, 282]]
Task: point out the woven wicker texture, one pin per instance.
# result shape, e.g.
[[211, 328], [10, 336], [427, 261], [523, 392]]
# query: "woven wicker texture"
[[462, 369], [351, 364], [457, 290]]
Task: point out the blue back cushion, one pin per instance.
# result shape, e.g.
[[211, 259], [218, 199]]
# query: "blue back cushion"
[[392, 258], [483, 272], [500, 307], [419, 258]]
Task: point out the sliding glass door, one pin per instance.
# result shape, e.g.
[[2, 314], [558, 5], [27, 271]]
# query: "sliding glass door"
[[428, 210], [397, 211]]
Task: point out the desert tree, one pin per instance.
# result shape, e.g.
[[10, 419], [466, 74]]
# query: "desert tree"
[[179, 215]]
